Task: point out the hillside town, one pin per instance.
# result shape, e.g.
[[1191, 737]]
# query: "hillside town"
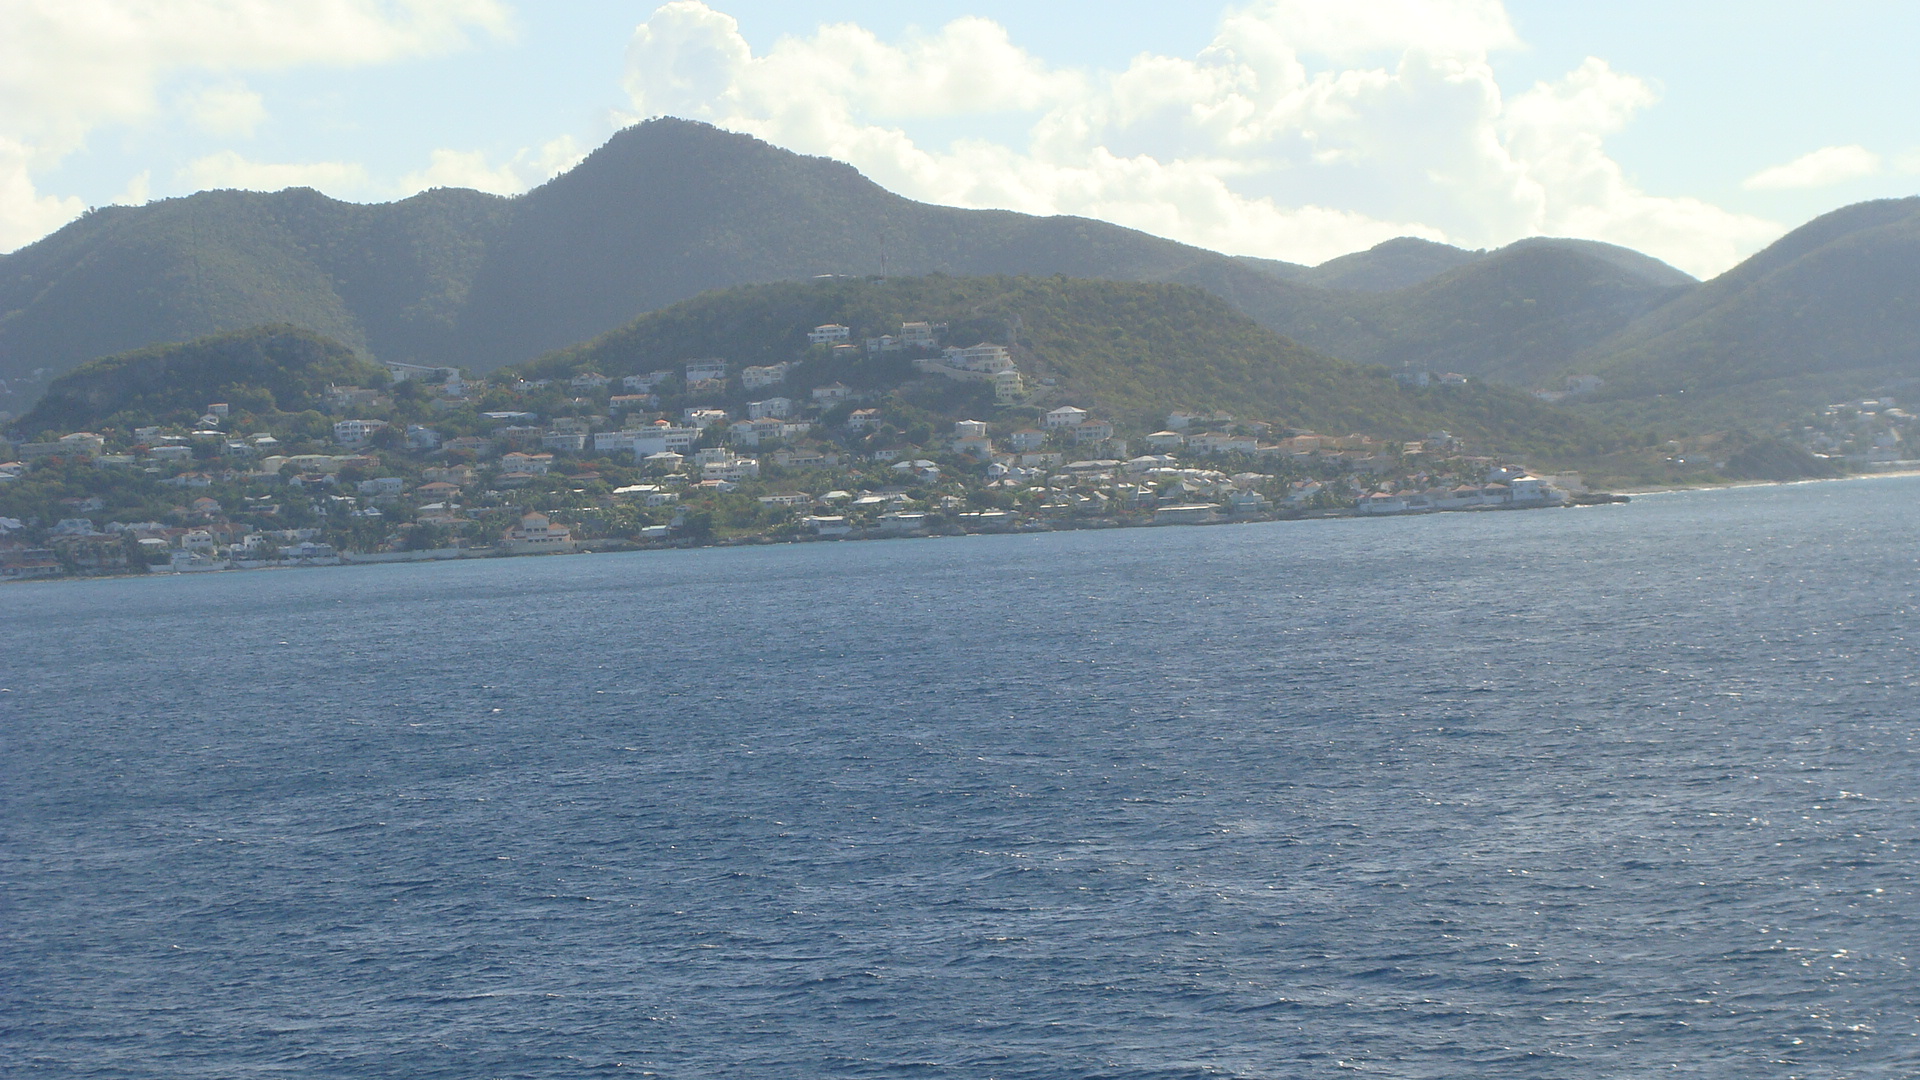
[[440, 464]]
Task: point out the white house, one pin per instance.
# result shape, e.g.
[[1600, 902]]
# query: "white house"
[[356, 432], [1027, 439], [537, 535], [537, 464], [1185, 514], [1008, 387], [830, 334], [755, 378], [662, 439], [1066, 416], [706, 370], [1092, 431], [775, 406], [969, 429], [831, 392], [644, 384]]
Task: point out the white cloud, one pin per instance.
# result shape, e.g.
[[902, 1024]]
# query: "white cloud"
[[1306, 129], [138, 191], [232, 109], [70, 67], [228, 169], [25, 213], [471, 169], [1822, 168]]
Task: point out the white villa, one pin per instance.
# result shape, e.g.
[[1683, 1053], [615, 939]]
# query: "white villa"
[[535, 535]]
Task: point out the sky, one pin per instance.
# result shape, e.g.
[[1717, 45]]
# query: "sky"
[[1696, 131]]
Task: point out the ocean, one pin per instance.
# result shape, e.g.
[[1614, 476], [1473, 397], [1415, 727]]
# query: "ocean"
[[1624, 791]]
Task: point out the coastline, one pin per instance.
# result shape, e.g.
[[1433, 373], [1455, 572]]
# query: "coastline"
[[1876, 474], [445, 555]]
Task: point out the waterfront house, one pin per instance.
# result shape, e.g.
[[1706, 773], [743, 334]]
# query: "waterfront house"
[[536, 534], [1186, 514]]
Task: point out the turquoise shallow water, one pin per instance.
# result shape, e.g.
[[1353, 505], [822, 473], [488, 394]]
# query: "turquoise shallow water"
[[1627, 791]]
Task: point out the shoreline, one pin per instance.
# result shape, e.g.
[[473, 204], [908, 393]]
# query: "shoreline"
[[621, 547], [450, 555], [1731, 484]]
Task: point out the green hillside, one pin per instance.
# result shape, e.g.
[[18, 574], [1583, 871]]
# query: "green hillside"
[[671, 209], [1829, 312], [1131, 351], [262, 370], [389, 278], [664, 211], [1399, 263], [1518, 315]]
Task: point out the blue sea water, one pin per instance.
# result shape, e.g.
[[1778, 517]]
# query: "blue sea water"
[[1614, 792]]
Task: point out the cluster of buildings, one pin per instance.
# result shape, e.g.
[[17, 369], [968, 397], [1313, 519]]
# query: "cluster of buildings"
[[1872, 433], [700, 451]]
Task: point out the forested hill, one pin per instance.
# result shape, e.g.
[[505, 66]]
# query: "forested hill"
[[1829, 312], [669, 209], [665, 210], [262, 370], [1127, 350]]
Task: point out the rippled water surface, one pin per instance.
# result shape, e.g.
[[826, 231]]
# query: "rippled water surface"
[[1628, 791]]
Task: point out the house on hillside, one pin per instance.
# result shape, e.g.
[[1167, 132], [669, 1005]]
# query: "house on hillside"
[[704, 371], [756, 378]]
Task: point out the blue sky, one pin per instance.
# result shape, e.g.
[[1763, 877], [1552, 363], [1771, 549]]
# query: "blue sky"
[[1295, 129]]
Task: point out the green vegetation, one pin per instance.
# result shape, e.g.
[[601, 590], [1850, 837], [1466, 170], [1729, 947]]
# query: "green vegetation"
[[665, 210], [670, 209], [1778, 459], [1825, 314], [1518, 315], [1130, 352], [263, 371]]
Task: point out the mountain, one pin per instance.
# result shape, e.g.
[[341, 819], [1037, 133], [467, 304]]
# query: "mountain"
[[390, 278], [260, 370], [1829, 311], [1396, 264], [665, 210], [1130, 351], [670, 208], [1518, 314]]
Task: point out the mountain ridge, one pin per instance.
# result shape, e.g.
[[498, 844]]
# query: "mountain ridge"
[[663, 211], [668, 209]]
